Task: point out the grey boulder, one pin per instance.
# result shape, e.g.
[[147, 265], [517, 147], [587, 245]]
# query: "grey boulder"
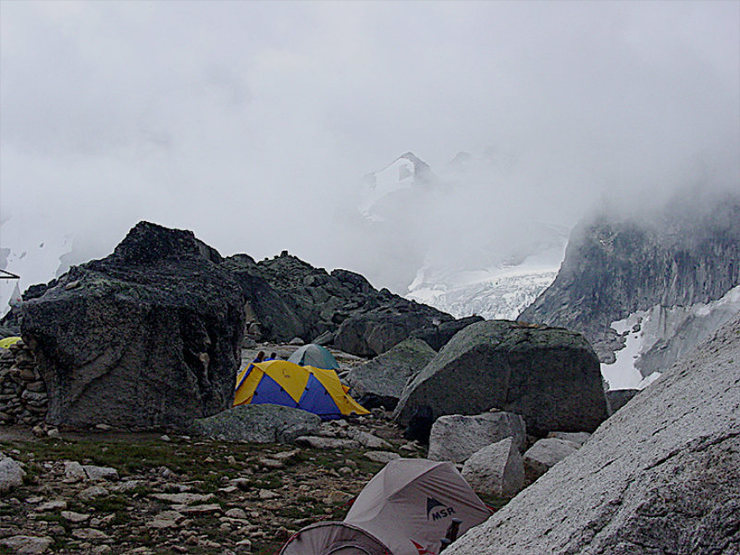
[[385, 376], [456, 437], [617, 398], [146, 338], [11, 474], [545, 454], [550, 376], [660, 476], [497, 469], [258, 424]]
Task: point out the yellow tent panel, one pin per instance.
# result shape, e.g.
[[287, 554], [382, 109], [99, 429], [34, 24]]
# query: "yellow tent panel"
[[8, 341], [281, 382]]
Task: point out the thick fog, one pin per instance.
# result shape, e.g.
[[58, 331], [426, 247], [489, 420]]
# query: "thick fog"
[[253, 124]]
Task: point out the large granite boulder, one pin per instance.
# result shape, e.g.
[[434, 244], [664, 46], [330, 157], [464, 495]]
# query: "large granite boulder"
[[550, 376], [258, 424], [455, 437], [660, 476], [147, 338], [545, 454], [385, 376], [496, 469]]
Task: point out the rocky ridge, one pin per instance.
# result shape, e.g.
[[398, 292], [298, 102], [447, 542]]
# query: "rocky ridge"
[[685, 254], [659, 476]]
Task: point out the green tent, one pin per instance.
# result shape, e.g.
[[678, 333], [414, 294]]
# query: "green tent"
[[314, 355]]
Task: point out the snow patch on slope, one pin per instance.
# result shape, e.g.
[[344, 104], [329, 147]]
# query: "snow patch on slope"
[[657, 337]]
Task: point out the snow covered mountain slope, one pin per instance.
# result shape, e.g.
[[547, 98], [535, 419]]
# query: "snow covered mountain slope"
[[501, 291], [656, 338]]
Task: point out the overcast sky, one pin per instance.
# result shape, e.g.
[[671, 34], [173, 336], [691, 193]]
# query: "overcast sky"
[[253, 123]]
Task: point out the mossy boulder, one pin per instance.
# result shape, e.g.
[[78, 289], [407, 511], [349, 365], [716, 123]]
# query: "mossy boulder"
[[550, 376]]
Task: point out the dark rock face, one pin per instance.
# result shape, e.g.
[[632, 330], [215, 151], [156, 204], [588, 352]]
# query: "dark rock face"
[[148, 337], [660, 476], [617, 398], [688, 254], [290, 298], [386, 375], [438, 336], [550, 376]]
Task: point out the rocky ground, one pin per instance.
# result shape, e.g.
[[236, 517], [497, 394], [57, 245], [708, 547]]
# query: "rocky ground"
[[146, 493]]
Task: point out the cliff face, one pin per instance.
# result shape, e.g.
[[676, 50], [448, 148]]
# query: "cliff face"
[[688, 253]]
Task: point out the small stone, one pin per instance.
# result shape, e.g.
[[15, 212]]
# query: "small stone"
[[236, 513], [100, 473], [89, 534], [267, 494], [11, 474], [49, 506], [165, 437], [34, 499], [103, 427], [92, 492], [74, 517], [184, 498], [27, 545], [228, 489], [53, 433], [73, 472], [382, 456], [198, 509]]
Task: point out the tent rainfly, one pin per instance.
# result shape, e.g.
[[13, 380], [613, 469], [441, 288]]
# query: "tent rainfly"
[[279, 382], [314, 355], [406, 509]]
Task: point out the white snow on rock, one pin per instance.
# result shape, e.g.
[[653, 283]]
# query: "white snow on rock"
[[498, 292], [679, 327]]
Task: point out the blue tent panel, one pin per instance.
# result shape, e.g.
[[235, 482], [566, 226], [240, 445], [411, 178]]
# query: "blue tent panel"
[[317, 400], [268, 391]]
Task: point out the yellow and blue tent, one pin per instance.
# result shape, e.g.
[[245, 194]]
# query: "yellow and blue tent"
[[8, 341], [279, 382]]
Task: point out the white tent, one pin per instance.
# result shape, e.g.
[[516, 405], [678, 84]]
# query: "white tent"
[[406, 508]]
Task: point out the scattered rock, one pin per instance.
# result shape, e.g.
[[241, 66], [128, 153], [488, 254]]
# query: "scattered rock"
[[93, 492], [497, 469], [456, 437], [327, 442], [90, 534], [576, 437], [382, 456], [27, 545], [11, 474], [101, 473], [73, 472], [368, 440], [545, 454], [183, 498], [51, 506], [74, 517], [259, 424]]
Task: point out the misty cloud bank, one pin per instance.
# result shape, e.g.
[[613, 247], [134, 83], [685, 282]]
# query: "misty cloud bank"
[[253, 123]]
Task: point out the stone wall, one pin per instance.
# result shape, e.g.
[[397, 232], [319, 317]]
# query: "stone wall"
[[23, 397]]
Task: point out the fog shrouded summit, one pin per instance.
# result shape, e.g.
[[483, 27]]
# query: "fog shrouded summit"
[[254, 123]]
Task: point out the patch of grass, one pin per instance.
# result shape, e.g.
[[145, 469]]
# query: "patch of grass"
[[493, 501], [109, 504]]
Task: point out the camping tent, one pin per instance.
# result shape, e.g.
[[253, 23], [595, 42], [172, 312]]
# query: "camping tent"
[[314, 355], [407, 507], [280, 382], [8, 341]]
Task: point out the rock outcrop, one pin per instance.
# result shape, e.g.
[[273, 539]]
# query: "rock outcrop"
[[146, 338], [258, 424], [683, 255], [382, 379], [660, 476], [549, 376], [289, 298]]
